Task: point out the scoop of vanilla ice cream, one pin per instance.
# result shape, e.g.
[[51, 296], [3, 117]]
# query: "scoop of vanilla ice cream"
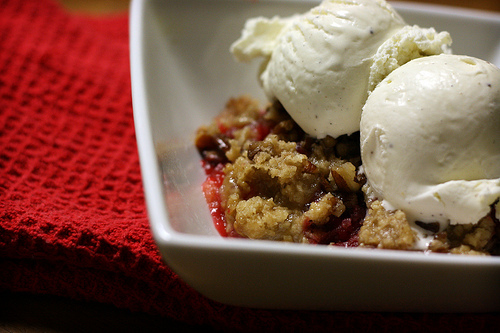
[[259, 37], [430, 139], [321, 64], [319, 69]]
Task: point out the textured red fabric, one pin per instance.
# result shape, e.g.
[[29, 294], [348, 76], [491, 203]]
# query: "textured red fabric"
[[72, 213]]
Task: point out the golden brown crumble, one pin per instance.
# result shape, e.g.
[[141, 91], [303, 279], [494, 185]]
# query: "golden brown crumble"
[[477, 239], [281, 184], [386, 229]]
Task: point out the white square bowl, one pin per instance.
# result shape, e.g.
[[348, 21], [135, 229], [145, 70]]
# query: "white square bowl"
[[182, 75]]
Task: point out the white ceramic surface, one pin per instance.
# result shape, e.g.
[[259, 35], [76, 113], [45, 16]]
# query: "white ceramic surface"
[[182, 74]]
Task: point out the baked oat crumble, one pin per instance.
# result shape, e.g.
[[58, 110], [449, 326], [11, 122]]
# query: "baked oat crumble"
[[278, 183]]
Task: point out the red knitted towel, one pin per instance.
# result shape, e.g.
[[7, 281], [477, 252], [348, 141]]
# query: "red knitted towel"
[[72, 213]]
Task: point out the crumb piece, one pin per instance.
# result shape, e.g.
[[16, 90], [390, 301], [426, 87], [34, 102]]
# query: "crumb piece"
[[258, 218], [345, 177], [320, 211], [387, 230], [481, 235], [440, 243], [475, 238], [466, 249]]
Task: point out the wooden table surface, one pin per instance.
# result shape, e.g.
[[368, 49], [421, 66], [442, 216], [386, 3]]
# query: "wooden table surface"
[[100, 7], [39, 313], [491, 5]]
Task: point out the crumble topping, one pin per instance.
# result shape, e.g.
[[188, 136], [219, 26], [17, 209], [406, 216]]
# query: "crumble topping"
[[477, 239], [278, 183], [386, 230]]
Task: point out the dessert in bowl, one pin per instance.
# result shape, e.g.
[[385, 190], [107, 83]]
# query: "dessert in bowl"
[[182, 74], [376, 135]]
